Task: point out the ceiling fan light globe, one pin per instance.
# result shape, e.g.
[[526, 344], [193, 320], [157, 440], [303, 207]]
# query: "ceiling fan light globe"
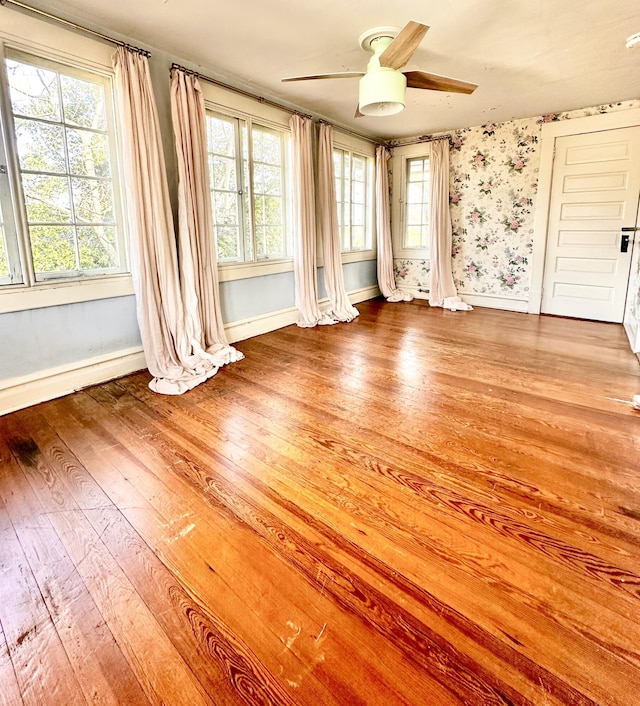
[[382, 92]]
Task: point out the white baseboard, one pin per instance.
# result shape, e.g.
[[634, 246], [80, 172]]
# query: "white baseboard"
[[413, 290], [494, 301], [19, 392], [491, 301], [257, 325]]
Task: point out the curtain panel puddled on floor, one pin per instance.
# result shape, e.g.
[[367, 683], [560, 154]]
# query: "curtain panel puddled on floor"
[[340, 308], [304, 226], [154, 263], [442, 290], [204, 327], [386, 279]]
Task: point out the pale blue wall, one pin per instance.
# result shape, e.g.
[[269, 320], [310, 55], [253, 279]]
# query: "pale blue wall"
[[38, 339], [246, 298]]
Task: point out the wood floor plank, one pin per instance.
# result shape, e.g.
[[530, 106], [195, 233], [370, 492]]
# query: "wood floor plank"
[[419, 507]]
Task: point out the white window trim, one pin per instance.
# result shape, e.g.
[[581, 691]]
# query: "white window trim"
[[43, 294], [35, 36], [398, 195]]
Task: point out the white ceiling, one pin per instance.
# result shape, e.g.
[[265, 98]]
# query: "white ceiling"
[[529, 57]]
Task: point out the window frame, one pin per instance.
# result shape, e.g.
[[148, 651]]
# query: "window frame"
[[401, 157], [362, 148], [31, 36], [229, 105], [343, 203]]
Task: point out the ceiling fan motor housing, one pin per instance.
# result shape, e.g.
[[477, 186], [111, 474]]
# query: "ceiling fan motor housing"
[[382, 91]]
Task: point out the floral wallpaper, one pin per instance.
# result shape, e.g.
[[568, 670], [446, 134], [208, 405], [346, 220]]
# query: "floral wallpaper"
[[494, 181]]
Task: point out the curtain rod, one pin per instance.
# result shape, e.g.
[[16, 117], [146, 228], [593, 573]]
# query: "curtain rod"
[[74, 25], [417, 140], [352, 132], [240, 91]]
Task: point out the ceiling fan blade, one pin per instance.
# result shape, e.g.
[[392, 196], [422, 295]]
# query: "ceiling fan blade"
[[401, 49], [341, 74], [433, 82]]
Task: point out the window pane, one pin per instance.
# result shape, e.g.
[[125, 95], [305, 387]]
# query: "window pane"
[[269, 241], [98, 247], [358, 192], [358, 237], [223, 173], [358, 216], [47, 198], [92, 201], [414, 193], [53, 248], [414, 214], [221, 136], [267, 147], [228, 242], [359, 167], [83, 103], [413, 237], [225, 208], [88, 153], [273, 210], [34, 91], [40, 146]]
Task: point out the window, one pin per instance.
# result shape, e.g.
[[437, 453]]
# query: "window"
[[353, 194], [65, 182], [411, 196], [248, 166], [416, 220]]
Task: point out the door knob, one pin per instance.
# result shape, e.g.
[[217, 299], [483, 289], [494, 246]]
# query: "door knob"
[[624, 240], [624, 243]]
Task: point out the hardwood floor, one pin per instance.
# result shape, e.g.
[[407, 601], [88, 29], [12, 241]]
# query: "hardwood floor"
[[420, 507]]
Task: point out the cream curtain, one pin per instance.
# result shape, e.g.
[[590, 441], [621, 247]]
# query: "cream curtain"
[[203, 323], [304, 222], [340, 307], [154, 263], [442, 290], [386, 279]]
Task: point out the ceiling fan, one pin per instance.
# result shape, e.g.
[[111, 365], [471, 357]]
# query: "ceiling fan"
[[383, 85]]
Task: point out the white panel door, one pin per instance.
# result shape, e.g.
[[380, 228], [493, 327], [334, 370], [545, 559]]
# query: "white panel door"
[[594, 194]]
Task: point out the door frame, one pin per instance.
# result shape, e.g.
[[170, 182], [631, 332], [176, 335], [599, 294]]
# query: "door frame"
[[551, 131]]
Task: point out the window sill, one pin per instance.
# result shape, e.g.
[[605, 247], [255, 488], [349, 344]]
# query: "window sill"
[[358, 256], [20, 298], [417, 254], [246, 270]]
